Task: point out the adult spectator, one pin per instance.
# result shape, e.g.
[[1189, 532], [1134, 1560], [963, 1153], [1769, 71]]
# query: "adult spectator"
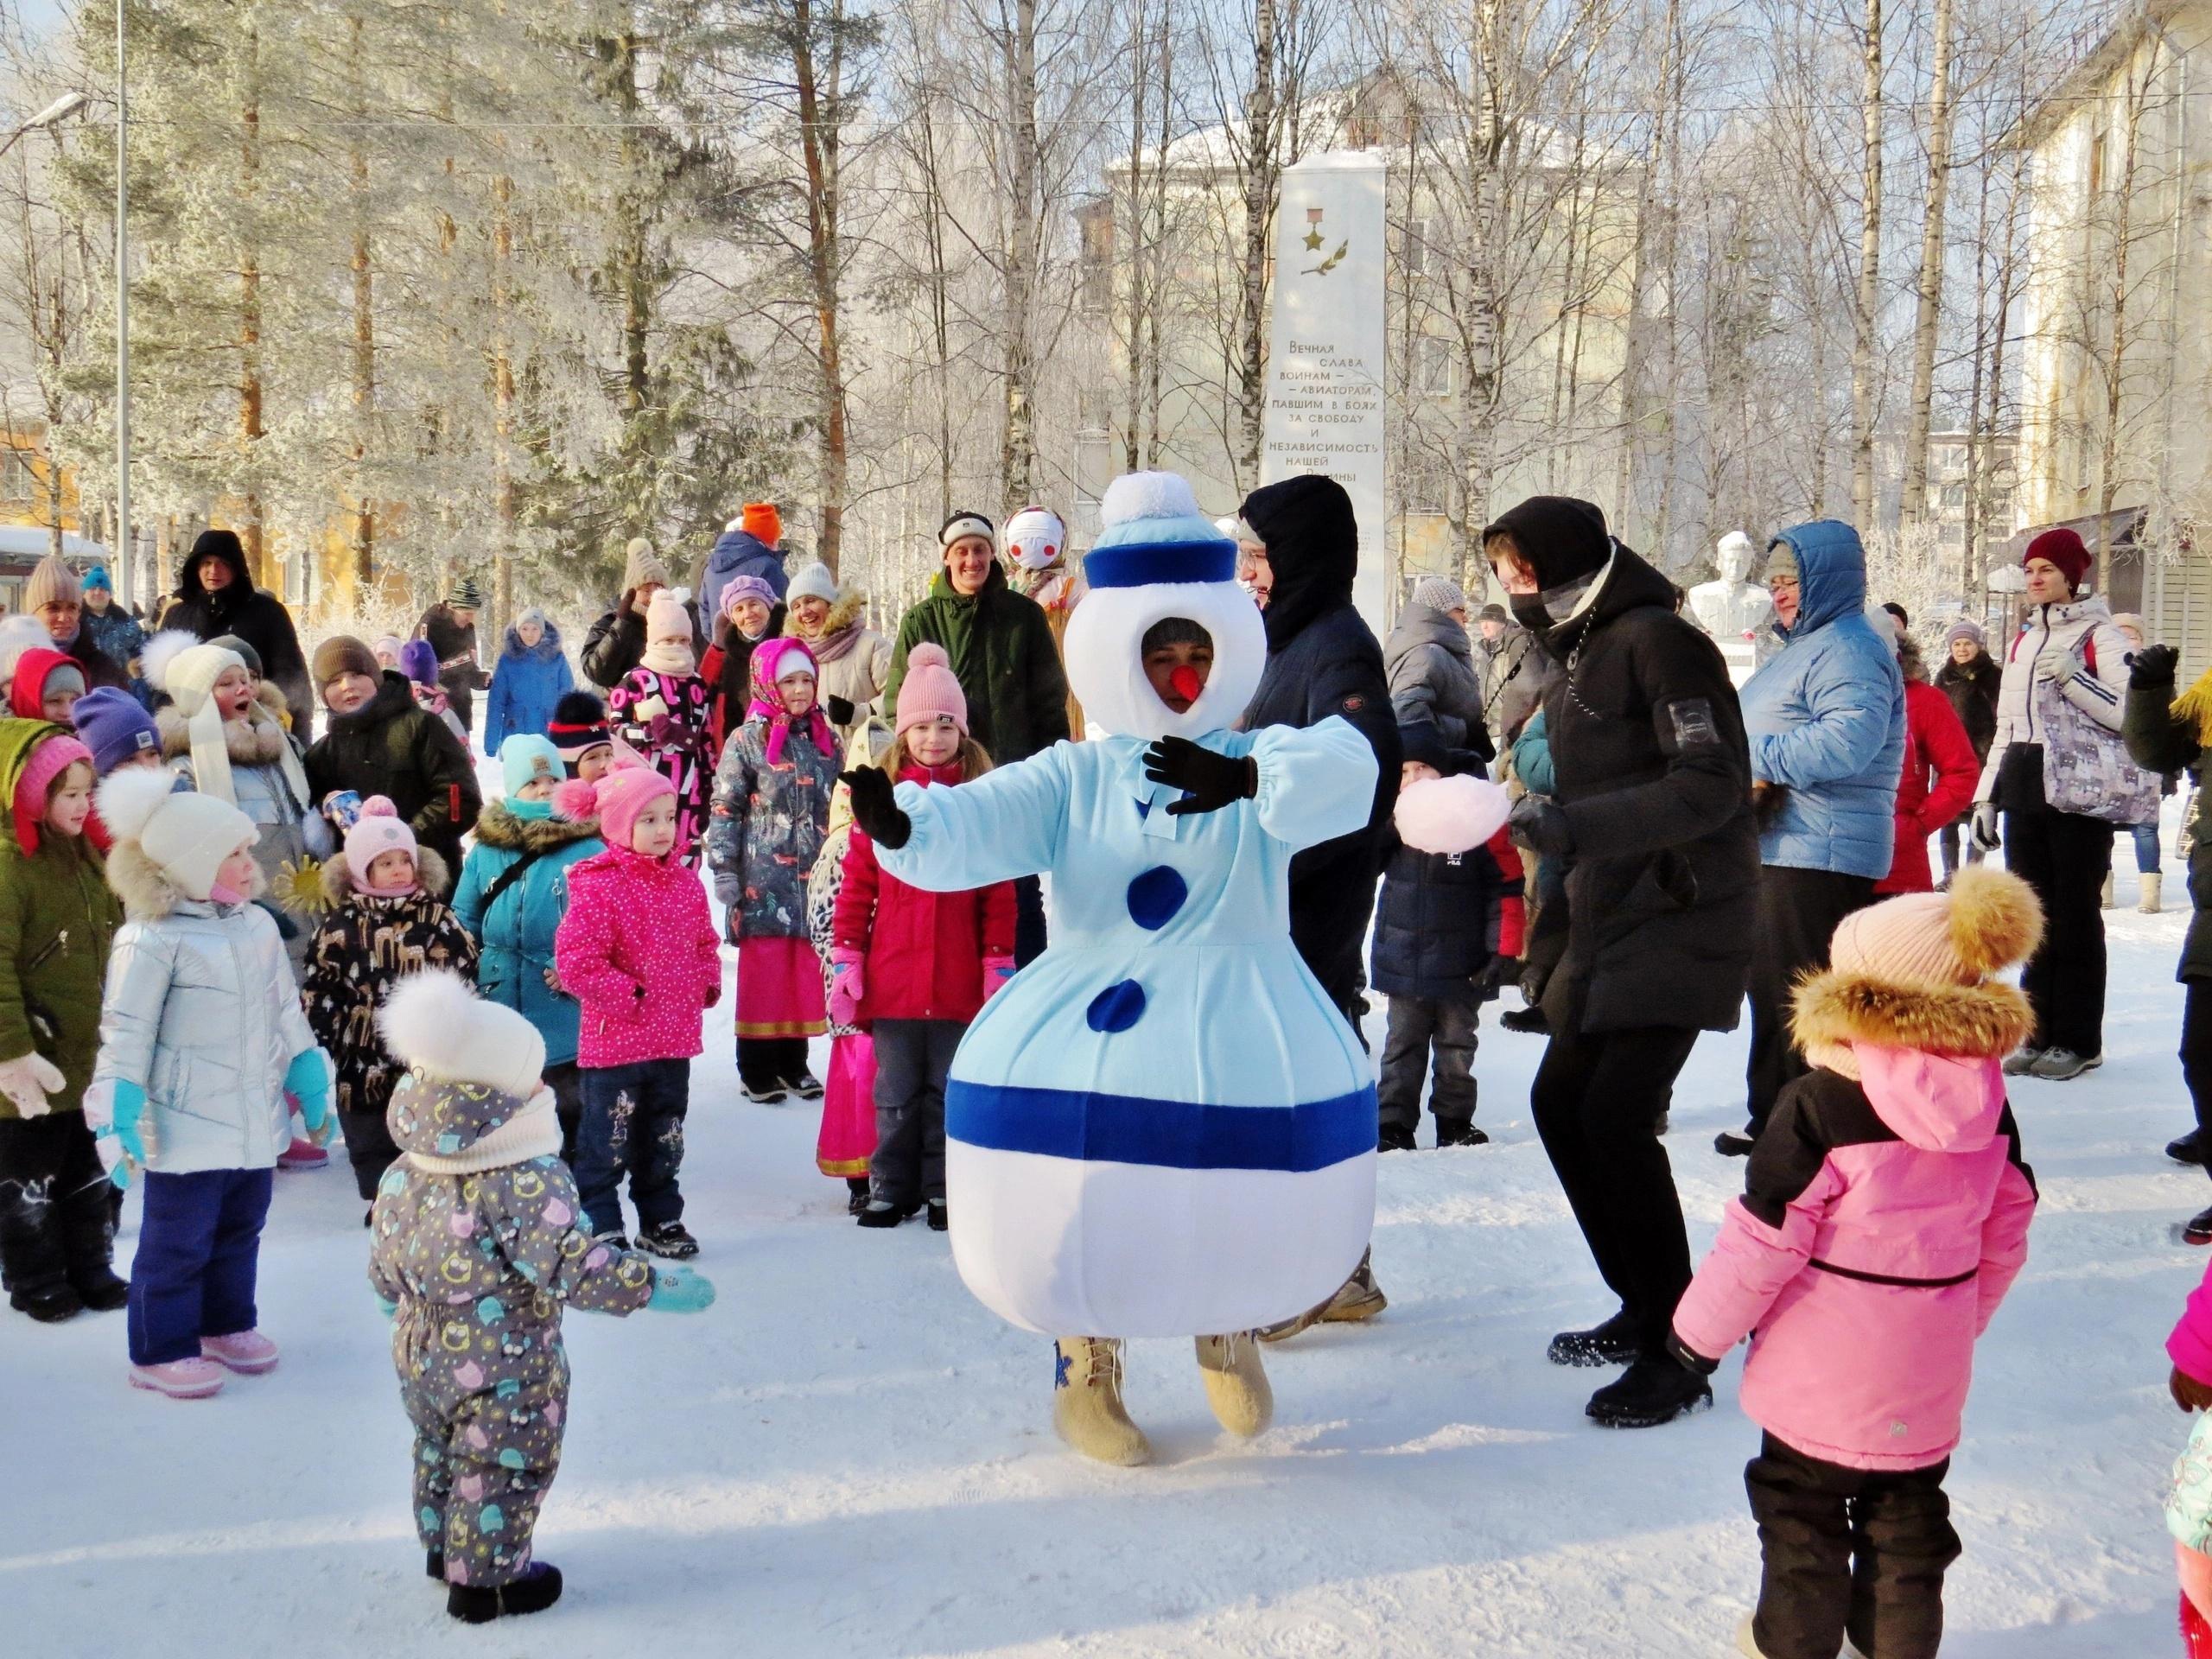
[[1039, 568], [1941, 768], [751, 547], [109, 629], [1825, 721], [1650, 814], [215, 595], [52, 594], [1008, 667], [751, 613], [1323, 661], [1430, 665], [1969, 678], [617, 640], [832, 623], [1514, 673], [528, 682], [2150, 875], [2058, 776], [449, 625], [1254, 574]]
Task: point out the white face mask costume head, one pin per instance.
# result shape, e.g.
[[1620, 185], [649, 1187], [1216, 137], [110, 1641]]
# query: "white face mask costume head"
[[1158, 557], [1035, 538]]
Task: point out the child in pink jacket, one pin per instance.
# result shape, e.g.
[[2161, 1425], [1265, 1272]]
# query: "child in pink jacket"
[[2189, 1506], [1884, 1215], [637, 950]]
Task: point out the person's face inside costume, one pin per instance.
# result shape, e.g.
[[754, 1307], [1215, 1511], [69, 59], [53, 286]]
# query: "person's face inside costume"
[[653, 835], [529, 633], [1178, 661], [809, 612], [967, 563], [750, 617], [934, 741], [215, 574], [1415, 771], [233, 692]]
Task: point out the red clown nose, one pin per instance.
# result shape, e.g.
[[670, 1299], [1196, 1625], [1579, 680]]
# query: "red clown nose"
[[1186, 683]]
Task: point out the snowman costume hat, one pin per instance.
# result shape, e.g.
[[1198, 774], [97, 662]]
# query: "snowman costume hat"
[[1162, 1127]]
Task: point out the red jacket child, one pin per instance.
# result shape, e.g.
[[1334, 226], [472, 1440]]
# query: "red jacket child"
[[1936, 741], [924, 951]]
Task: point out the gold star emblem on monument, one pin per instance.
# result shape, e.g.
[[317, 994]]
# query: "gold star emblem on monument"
[[1313, 238]]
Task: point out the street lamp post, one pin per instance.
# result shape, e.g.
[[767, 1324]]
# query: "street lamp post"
[[126, 583]]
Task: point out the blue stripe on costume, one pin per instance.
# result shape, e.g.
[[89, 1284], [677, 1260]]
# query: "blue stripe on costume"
[[1173, 1134], [1141, 564]]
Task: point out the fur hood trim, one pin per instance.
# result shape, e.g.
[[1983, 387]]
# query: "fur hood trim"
[[434, 879], [499, 827], [147, 894], [848, 610], [256, 741], [1982, 1021]]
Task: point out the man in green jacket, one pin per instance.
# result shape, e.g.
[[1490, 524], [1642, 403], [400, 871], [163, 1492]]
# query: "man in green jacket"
[[1008, 664]]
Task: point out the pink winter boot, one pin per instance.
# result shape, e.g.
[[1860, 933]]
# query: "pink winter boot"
[[302, 1154], [247, 1352], [180, 1379]]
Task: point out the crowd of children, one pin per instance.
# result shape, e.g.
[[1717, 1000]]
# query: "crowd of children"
[[220, 945]]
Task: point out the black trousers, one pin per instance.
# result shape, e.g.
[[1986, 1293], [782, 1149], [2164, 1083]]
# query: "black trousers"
[[1797, 913], [1853, 1551], [1028, 920], [1419, 1025], [912, 1059], [2065, 858], [567, 1083], [57, 1221], [1597, 1101], [2196, 1049], [763, 1061]]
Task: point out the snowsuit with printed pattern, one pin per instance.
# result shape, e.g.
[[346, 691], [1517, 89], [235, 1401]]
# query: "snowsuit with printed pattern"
[[479, 1266], [675, 743], [363, 948]]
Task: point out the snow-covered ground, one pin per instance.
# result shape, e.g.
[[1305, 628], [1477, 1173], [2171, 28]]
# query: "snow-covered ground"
[[846, 1455]]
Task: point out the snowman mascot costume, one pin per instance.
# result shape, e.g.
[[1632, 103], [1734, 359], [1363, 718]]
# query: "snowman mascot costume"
[[1162, 1127]]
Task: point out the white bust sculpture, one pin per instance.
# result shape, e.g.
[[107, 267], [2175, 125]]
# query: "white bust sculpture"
[[1734, 610]]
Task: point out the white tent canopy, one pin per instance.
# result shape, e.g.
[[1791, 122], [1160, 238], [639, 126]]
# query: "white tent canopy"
[[36, 540]]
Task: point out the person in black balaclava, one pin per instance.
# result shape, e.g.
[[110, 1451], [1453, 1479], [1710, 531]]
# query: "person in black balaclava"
[[1651, 810], [1323, 661]]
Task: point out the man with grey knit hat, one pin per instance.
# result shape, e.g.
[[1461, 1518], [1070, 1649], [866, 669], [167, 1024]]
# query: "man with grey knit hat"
[[617, 640], [1432, 677]]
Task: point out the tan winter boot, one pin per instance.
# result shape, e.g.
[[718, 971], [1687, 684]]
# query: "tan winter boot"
[[1358, 1298], [1087, 1408], [2148, 904], [2105, 898], [1237, 1384]]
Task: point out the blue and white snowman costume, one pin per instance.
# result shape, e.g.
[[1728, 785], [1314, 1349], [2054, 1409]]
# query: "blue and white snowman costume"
[[1162, 1127]]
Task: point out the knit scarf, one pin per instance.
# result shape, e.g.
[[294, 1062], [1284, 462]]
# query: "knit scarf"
[[534, 1132], [768, 703], [2195, 707], [835, 647], [670, 656], [211, 755]]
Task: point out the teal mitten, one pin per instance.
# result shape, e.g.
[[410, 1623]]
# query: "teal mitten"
[[681, 1290]]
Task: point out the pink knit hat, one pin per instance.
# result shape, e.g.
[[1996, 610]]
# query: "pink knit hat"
[[929, 690], [1988, 921], [379, 830], [617, 800], [49, 758]]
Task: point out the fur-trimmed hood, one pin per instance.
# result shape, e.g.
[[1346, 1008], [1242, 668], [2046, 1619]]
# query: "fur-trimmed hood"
[[147, 894], [848, 610], [1928, 1056], [259, 739], [548, 648], [434, 879], [500, 826]]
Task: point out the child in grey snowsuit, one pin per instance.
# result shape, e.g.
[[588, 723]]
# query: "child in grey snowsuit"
[[476, 1248]]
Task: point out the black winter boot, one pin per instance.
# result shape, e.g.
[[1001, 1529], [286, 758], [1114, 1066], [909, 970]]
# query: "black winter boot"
[[38, 1271], [2186, 1148], [855, 1194], [1394, 1137], [2198, 1229], [672, 1239], [1453, 1132], [1617, 1341], [1653, 1390], [434, 1564], [88, 1246], [940, 1218], [533, 1592]]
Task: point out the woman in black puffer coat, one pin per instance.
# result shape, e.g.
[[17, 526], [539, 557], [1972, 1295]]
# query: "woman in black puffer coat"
[[1969, 678]]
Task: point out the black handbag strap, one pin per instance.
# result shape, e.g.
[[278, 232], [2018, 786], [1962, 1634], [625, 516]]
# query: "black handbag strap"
[[513, 874]]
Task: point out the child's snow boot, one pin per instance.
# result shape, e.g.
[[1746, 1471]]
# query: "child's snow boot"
[[247, 1352], [195, 1378], [533, 1592], [303, 1155], [672, 1239], [855, 1194], [2151, 882], [1087, 1409], [806, 1085], [38, 1269], [2196, 1631], [88, 1246], [1237, 1384]]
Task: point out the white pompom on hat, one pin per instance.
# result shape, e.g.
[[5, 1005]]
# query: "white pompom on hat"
[[186, 836], [443, 1031]]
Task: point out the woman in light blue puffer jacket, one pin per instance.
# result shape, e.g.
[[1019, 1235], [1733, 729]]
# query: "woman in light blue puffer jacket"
[[1825, 721]]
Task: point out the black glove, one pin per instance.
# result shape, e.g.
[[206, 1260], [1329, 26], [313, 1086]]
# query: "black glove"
[[841, 712], [1542, 827], [2153, 665], [1212, 781], [875, 809], [1688, 1358]]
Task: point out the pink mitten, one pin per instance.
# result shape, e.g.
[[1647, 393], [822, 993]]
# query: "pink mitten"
[[846, 987]]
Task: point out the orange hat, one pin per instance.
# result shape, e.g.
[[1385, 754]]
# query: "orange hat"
[[762, 522]]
